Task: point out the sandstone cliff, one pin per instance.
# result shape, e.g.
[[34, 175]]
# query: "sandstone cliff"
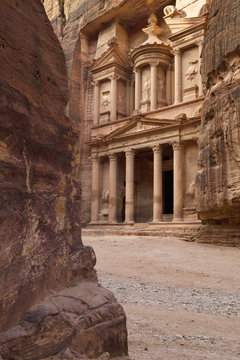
[[50, 300], [218, 180]]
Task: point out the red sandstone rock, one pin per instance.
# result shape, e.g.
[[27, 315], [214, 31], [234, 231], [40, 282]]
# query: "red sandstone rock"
[[218, 180], [40, 235]]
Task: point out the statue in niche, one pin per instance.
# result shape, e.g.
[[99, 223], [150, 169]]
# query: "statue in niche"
[[105, 199], [105, 100], [146, 90], [121, 98], [191, 71], [161, 88]]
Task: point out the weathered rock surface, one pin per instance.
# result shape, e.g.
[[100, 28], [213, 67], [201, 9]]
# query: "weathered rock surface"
[[218, 181], [41, 251]]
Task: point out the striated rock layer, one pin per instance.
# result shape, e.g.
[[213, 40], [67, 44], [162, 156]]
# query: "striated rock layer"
[[42, 258], [218, 180]]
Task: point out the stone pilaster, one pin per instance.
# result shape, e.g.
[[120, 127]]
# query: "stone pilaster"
[[178, 75], [95, 188], [199, 43], [96, 102], [113, 114], [178, 181], [138, 88], [112, 216], [153, 92], [129, 209], [157, 183]]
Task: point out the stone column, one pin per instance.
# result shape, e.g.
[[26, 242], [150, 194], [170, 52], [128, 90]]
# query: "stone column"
[[178, 181], [129, 207], [153, 93], [178, 75], [95, 189], [157, 183], [96, 102], [138, 88], [112, 217], [200, 47], [114, 79]]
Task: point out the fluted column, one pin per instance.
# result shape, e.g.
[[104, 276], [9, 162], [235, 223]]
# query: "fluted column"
[[114, 79], [178, 75], [129, 206], [200, 86], [153, 92], [95, 189], [138, 88], [157, 183], [112, 217], [96, 102], [178, 181]]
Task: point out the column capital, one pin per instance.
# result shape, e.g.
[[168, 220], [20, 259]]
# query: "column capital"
[[157, 148], [199, 42], [136, 70], [114, 76], [177, 146], [94, 158], [154, 62], [95, 83], [130, 153], [112, 156], [177, 51]]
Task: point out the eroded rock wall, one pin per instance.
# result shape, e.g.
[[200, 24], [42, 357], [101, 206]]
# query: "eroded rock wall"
[[218, 180], [49, 295]]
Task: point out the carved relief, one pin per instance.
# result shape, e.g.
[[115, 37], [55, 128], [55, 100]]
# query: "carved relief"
[[161, 88], [170, 11], [105, 100], [146, 89], [192, 71]]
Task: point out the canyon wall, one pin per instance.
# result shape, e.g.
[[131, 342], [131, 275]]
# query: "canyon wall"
[[218, 179], [50, 301]]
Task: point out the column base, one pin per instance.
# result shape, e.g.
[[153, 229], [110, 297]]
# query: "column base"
[[177, 220], [157, 220], [129, 222]]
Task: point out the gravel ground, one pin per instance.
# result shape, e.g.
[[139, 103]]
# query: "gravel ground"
[[182, 300]]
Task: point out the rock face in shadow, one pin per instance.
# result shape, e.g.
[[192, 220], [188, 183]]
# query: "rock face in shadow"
[[42, 258], [218, 181]]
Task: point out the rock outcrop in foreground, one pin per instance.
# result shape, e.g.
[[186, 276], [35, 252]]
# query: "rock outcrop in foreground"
[[218, 181], [50, 301]]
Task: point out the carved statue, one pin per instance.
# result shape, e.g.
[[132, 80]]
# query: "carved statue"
[[105, 100], [105, 199], [161, 88], [146, 90], [191, 71]]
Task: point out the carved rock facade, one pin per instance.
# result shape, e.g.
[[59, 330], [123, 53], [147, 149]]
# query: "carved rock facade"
[[49, 295]]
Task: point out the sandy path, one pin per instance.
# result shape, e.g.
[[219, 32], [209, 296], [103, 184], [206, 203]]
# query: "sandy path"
[[182, 299]]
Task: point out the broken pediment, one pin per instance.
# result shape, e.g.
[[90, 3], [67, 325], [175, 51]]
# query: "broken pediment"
[[140, 125], [110, 58], [177, 24]]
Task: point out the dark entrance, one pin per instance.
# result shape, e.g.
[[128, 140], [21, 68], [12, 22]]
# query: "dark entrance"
[[168, 192]]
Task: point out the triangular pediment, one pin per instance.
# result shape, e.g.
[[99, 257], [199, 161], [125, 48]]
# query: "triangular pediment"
[[111, 57], [140, 125], [181, 24]]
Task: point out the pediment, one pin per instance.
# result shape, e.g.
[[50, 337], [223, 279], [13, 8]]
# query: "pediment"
[[138, 126], [180, 24], [111, 57]]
